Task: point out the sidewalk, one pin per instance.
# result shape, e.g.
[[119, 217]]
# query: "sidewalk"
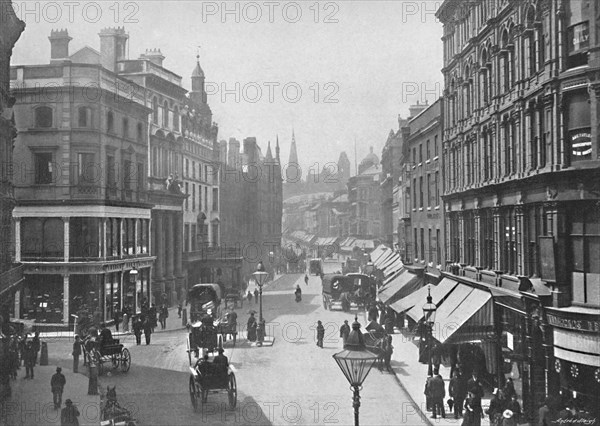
[[31, 400], [412, 375]]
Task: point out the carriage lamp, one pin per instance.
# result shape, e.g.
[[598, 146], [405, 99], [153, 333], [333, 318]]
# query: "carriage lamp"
[[355, 361], [429, 310], [260, 276]]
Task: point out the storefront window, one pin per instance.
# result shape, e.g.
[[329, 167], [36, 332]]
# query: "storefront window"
[[585, 252], [112, 294], [42, 298], [84, 237], [579, 126], [42, 238], [85, 293]]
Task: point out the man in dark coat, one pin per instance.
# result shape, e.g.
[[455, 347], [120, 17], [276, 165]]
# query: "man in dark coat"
[[458, 392], [138, 327], [148, 329], [37, 345], [474, 386], [152, 312], [221, 358], [320, 334], [29, 359], [438, 392], [344, 331], [76, 353], [69, 414], [57, 384]]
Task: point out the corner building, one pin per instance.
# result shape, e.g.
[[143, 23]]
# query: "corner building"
[[521, 152], [82, 219]]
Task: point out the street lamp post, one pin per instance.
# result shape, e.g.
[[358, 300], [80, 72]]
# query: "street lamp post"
[[429, 310], [355, 361], [260, 276]]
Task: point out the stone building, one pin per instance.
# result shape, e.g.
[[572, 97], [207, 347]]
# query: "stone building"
[[423, 222], [10, 275], [252, 205], [82, 219], [522, 156]]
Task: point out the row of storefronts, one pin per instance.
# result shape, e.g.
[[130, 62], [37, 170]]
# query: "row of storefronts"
[[502, 328]]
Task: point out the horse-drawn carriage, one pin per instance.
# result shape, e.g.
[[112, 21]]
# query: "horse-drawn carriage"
[[111, 353], [210, 377], [347, 291], [234, 296]]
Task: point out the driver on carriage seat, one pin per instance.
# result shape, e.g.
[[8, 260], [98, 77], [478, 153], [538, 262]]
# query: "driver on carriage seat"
[[221, 359], [203, 364], [105, 336]]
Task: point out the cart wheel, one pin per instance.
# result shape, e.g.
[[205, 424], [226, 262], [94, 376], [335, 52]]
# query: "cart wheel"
[[125, 360], [193, 393], [232, 391]]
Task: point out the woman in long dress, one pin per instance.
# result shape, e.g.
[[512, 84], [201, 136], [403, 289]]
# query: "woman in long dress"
[[252, 328]]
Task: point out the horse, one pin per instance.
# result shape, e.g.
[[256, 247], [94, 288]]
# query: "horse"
[[113, 411]]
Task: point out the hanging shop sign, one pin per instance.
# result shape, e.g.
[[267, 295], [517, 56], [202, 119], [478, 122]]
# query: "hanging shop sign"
[[579, 37], [581, 144]]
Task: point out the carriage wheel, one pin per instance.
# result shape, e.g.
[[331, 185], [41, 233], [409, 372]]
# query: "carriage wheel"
[[193, 393], [232, 391], [125, 360]]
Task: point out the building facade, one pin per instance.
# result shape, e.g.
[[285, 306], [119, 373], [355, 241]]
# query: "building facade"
[[10, 32], [82, 219], [424, 214], [521, 151], [252, 206], [365, 199]]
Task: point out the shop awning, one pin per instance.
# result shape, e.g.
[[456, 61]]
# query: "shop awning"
[[381, 258], [444, 295], [462, 315], [577, 347], [392, 270], [415, 298], [404, 284], [389, 261], [379, 251]]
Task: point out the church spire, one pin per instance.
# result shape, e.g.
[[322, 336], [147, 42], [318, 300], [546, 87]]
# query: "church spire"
[[277, 150], [293, 151], [198, 94], [269, 156]]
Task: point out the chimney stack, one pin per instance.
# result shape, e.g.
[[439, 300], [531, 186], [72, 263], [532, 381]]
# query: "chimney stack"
[[414, 110], [154, 55], [59, 45], [113, 47]]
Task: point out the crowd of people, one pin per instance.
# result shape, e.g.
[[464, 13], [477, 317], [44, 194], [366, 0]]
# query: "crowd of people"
[[19, 350]]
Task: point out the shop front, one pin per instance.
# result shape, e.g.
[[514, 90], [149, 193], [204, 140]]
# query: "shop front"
[[576, 347]]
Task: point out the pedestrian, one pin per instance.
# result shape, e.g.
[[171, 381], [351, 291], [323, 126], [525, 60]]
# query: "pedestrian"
[[546, 413], [148, 330], [69, 414], [76, 352], [138, 326], [474, 386], [389, 351], [427, 392], [29, 359], [509, 389], [152, 313], [458, 391], [496, 408], [161, 317], [179, 309], [37, 345], [344, 331], [437, 392], [57, 384], [508, 418], [249, 297], [117, 318], [306, 279], [256, 293], [472, 410], [252, 325], [514, 406], [320, 334]]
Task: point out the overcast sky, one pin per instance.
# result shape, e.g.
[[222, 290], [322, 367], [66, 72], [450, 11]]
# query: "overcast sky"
[[358, 66]]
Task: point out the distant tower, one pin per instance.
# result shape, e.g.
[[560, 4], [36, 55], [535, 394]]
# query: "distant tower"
[[198, 94], [343, 168], [293, 173], [277, 151]]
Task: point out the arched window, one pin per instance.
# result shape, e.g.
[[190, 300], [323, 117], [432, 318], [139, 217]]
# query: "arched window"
[[43, 117], [110, 122], [530, 49], [505, 74], [165, 114], [484, 86], [155, 110]]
